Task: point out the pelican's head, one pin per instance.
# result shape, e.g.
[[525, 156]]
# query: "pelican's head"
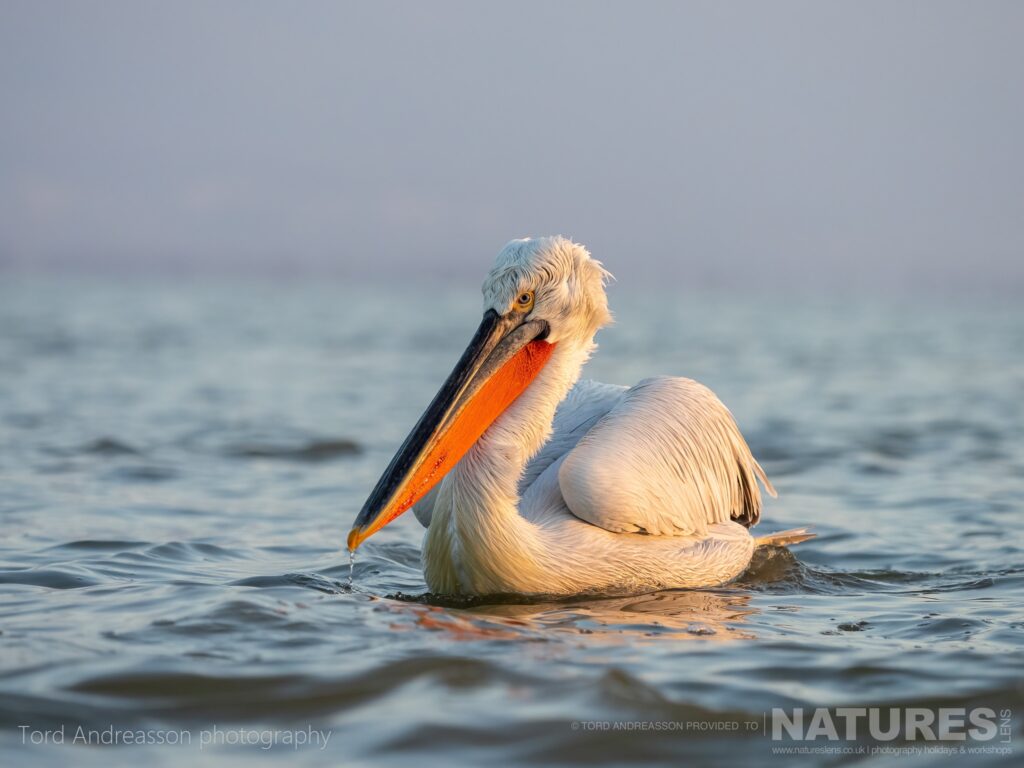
[[554, 280], [541, 292]]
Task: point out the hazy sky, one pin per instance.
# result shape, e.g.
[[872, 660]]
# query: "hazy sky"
[[819, 143]]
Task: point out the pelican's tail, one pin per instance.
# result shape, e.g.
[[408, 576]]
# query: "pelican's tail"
[[784, 538]]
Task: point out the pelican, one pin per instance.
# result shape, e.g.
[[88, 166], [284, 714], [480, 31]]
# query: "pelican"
[[531, 481]]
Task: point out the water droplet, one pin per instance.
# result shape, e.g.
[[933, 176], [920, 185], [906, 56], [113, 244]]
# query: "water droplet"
[[351, 568]]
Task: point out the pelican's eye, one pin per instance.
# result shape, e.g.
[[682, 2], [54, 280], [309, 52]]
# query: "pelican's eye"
[[524, 301]]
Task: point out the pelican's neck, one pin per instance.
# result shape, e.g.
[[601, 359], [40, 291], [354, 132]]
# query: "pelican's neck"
[[476, 533], [498, 458]]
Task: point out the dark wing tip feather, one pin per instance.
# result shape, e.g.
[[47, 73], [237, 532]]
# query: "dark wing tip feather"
[[750, 511]]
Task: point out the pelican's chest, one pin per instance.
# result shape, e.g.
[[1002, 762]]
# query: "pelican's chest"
[[468, 549]]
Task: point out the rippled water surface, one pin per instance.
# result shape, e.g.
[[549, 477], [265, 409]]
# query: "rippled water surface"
[[180, 462]]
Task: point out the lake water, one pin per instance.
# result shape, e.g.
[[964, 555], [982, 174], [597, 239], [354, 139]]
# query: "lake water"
[[180, 462]]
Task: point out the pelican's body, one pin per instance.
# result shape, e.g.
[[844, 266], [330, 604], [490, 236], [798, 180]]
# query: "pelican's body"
[[531, 481]]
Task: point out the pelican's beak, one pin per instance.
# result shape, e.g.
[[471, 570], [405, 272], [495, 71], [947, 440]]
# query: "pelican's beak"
[[505, 355]]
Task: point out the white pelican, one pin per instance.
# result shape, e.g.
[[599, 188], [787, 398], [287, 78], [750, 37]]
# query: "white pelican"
[[529, 481]]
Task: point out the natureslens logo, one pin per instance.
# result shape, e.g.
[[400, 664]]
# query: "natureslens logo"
[[887, 724]]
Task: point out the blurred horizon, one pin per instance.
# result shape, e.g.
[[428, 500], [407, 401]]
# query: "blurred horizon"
[[852, 148]]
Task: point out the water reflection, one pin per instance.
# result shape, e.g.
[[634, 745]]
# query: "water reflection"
[[678, 614]]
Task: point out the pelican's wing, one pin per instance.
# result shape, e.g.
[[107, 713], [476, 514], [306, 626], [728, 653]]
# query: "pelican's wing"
[[667, 459]]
